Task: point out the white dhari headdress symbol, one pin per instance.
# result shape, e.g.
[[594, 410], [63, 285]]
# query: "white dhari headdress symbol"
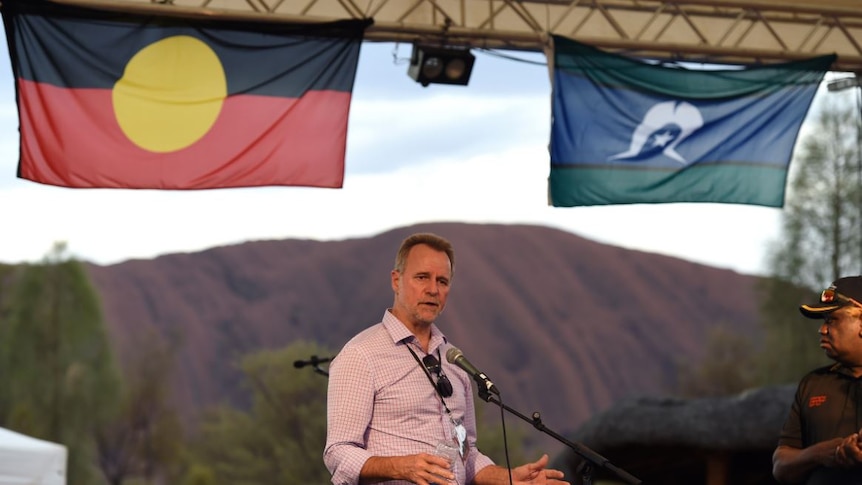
[[664, 126]]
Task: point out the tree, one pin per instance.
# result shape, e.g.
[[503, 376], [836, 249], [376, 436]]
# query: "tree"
[[60, 379], [821, 235], [8, 273], [726, 369], [790, 341], [199, 475], [145, 440], [821, 239], [281, 438]]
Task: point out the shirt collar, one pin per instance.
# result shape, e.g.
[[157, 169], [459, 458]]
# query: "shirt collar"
[[400, 334], [838, 368]]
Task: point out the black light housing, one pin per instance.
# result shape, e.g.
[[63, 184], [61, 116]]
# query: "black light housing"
[[441, 65]]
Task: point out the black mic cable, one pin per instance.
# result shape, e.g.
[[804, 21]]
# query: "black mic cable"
[[486, 387]]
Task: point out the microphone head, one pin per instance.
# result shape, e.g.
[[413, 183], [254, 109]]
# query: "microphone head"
[[453, 353], [299, 364]]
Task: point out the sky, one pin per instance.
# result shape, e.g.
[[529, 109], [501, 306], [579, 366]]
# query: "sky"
[[476, 154]]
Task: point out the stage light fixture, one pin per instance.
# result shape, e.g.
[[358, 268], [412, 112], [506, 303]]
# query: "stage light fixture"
[[441, 65]]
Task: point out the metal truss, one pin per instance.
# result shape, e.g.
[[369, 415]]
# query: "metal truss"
[[717, 31]]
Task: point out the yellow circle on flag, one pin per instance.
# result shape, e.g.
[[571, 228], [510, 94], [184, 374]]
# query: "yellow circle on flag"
[[170, 94]]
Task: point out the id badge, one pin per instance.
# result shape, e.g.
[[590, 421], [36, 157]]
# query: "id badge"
[[460, 436]]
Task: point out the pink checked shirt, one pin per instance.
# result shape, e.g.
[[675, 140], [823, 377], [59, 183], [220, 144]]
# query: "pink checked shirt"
[[380, 403]]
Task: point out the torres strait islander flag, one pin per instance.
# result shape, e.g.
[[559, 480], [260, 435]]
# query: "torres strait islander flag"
[[121, 100], [626, 131]]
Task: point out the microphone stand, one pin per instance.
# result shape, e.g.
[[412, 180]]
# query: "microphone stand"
[[320, 371], [592, 458], [314, 362]]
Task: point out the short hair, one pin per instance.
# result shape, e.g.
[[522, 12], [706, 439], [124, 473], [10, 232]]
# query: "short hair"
[[434, 241]]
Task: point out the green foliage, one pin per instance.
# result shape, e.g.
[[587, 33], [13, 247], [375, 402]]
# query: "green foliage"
[[821, 240], [145, 439], [489, 431], [281, 439], [728, 366], [821, 237], [790, 348], [7, 277], [60, 381], [199, 475]]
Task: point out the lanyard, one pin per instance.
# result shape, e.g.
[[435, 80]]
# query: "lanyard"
[[428, 375], [459, 430]]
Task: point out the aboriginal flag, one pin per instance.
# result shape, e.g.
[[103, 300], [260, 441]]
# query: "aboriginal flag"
[[121, 100]]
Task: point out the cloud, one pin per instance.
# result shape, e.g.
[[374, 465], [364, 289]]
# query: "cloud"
[[386, 135]]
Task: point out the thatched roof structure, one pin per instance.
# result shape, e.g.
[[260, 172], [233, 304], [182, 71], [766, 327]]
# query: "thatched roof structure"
[[688, 441]]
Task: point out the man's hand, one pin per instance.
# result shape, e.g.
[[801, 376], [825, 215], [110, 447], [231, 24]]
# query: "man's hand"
[[535, 473], [421, 469], [848, 454]]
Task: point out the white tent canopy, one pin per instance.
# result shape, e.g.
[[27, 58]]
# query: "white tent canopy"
[[29, 461]]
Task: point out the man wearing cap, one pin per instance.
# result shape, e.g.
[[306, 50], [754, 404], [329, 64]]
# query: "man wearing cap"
[[820, 442]]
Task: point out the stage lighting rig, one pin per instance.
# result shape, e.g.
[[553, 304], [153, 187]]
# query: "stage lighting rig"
[[441, 65]]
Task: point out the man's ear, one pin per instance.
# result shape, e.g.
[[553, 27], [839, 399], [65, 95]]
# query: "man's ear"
[[395, 276]]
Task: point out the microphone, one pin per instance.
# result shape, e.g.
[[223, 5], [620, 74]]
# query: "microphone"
[[455, 356], [314, 360]]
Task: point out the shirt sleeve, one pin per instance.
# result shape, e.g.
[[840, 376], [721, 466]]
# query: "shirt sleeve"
[[791, 432], [349, 405]]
